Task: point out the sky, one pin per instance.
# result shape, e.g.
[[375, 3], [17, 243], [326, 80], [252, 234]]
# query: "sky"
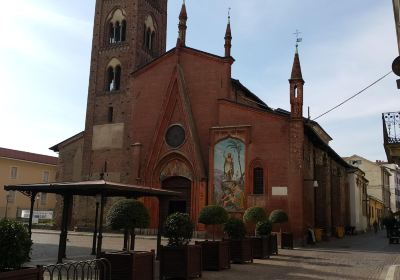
[[45, 54]]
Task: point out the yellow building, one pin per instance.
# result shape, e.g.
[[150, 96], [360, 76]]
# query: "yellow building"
[[17, 167], [375, 210]]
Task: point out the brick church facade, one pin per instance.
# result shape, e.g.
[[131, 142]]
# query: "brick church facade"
[[177, 120]]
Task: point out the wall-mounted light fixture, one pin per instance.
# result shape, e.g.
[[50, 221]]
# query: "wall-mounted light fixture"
[[315, 182]]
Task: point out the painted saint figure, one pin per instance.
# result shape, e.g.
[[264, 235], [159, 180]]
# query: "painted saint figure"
[[228, 167]]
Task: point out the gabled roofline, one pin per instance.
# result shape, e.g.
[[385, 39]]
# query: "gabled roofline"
[[172, 51], [315, 138], [56, 148], [253, 96]]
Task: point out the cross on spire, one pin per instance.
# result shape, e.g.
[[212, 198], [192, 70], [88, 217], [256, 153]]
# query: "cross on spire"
[[298, 39], [229, 15]]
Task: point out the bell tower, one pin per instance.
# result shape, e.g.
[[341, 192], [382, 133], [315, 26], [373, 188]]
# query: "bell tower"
[[127, 34]]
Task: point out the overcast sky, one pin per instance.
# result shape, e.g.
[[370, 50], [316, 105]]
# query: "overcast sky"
[[45, 53]]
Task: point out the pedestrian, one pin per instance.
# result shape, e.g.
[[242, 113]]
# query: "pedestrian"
[[375, 224]]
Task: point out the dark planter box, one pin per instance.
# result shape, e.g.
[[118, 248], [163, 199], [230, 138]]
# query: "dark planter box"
[[273, 244], [261, 247], [216, 255], [131, 265], [34, 273], [241, 250], [180, 262], [286, 240]]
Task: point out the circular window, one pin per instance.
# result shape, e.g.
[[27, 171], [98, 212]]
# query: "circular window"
[[175, 136]]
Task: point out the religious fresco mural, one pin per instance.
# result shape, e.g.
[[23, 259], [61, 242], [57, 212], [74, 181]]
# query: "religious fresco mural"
[[229, 177], [175, 167]]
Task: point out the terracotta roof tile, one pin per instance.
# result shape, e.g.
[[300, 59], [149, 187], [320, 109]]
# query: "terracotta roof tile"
[[14, 154]]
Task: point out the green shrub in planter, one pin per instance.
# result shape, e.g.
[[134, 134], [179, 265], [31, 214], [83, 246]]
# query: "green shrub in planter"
[[15, 245], [128, 214], [264, 228], [253, 215], [235, 229], [213, 215], [278, 216], [178, 229]]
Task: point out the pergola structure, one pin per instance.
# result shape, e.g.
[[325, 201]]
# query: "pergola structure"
[[101, 190]]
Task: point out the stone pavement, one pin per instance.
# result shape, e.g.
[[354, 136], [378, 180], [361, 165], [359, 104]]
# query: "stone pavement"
[[366, 256]]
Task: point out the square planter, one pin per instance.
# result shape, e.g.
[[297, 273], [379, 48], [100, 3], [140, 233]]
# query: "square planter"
[[131, 265], [180, 262], [241, 250], [216, 255], [273, 244], [31, 273], [261, 247], [287, 240]]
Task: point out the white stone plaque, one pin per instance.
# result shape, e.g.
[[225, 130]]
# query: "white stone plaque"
[[279, 191]]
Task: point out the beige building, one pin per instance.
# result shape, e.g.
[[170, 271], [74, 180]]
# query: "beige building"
[[358, 198], [378, 177], [394, 182], [17, 167], [375, 210]]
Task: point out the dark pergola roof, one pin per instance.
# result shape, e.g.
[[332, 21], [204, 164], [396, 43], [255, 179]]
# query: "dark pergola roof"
[[91, 188]]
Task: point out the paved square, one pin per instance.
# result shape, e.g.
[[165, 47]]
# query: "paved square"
[[366, 256]]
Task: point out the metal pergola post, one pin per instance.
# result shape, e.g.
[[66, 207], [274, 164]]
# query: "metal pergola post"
[[95, 228], [62, 245], [162, 212], [33, 195], [100, 235]]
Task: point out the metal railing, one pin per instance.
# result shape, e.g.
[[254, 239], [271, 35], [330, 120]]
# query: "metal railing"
[[391, 127], [98, 269]]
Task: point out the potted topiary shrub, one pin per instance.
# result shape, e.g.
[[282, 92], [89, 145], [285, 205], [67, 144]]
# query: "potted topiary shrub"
[[279, 217], [251, 217], [127, 215], [15, 247], [179, 259], [241, 247], [263, 243], [216, 254]]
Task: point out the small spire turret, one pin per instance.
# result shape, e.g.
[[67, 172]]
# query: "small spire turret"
[[296, 88], [228, 36], [182, 26]]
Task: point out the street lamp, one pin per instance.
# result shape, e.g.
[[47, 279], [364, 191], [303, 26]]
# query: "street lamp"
[[315, 182]]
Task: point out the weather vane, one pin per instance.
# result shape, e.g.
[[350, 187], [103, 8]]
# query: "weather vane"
[[298, 38], [229, 14]]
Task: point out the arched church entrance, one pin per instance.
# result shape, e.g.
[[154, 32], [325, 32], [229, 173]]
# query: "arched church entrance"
[[182, 185]]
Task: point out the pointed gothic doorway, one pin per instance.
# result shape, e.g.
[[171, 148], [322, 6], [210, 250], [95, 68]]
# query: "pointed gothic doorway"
[[182, 185]]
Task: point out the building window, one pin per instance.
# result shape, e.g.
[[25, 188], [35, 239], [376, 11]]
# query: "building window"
[[110, 116], [149, 34], [14, 172], [113, 77], [117, 27], [11, 196], [45, 176], [43, 198], [258, 180]]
